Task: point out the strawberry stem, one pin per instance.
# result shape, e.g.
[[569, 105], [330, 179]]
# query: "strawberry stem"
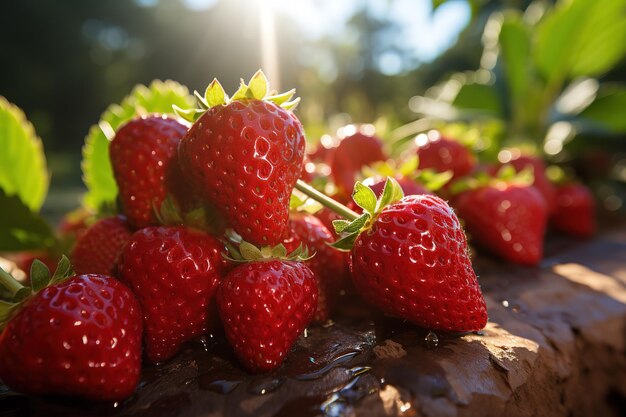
[[326, 201], [10, 283]]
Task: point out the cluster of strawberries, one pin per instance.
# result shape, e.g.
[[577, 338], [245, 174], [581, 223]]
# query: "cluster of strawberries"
[[506, 207], [208, 233]]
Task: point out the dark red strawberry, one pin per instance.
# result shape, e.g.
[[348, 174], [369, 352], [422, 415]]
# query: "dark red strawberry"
[[265, 304], [174, 272], [353, 153], [443, 154], [507, 219], [144, 159], [73, 225], [409, 258], [328, 265], [97, 250], [79, 337], [541, 181], [575, 212], [245, 155]]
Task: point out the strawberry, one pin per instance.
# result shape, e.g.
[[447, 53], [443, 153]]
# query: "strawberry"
[[409, 258], [265, 304], [174, 272], [353, 153], [541, 181], [508, 219], [144, 160], [575, 210], [77, 337], [245, 155], [328, 264], [97, 250], [444, 154]]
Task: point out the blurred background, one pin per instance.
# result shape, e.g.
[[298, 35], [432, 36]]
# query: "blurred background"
[[538, 74]]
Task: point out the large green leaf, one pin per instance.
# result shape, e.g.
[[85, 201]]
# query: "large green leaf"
[[514, 42], [580, 38], [606, 112], [20, 228], [159, 97], [22, 161], [480, 98]]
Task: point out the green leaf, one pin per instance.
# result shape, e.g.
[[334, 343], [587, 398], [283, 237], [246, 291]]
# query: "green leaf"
[[241, 93], [258, 85], [506, 172], [408, 167], [249, 251], [215, 94], [159, 97], [606, 112], [63, 271], [340, 225], [279, 251], [279, 99], [346, 243], [580, 38], [392, 193], [480, 98], [20, 228], [357, 224], [291, 105], [514, 42], [23, 169], [364, 197], [39, 275], [434, 180]]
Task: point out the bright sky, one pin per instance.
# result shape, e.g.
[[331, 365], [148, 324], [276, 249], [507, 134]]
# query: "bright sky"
[[424, 33]]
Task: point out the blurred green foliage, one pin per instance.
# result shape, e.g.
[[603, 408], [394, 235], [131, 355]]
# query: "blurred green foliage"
[[539, 78]]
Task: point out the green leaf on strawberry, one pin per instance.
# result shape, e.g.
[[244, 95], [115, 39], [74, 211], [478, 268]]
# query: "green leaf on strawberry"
[[256, 89], [365, 198], [158, 97], [40, 279], [23, 169], [240, 251]]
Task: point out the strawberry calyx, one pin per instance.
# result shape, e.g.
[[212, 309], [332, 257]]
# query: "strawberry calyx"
[[409, 168], [506, 175], [40, 278], [349, 229], [203, 217], [240, 251], [257, 89]]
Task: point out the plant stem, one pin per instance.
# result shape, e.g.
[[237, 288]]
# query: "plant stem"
[[326, 201], [10, 283]]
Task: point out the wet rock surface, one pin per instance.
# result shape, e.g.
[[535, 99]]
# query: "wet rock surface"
[[555, 345]]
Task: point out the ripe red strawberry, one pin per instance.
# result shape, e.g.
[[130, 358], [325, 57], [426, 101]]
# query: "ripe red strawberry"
[[541, 181], [507, 219], [97, 250], [174, 272], [443, 154], [144, 159], [328, 265], [265, 304], [575, 210], [80, 337], [245, 156], [353, 153], [409, 258]]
